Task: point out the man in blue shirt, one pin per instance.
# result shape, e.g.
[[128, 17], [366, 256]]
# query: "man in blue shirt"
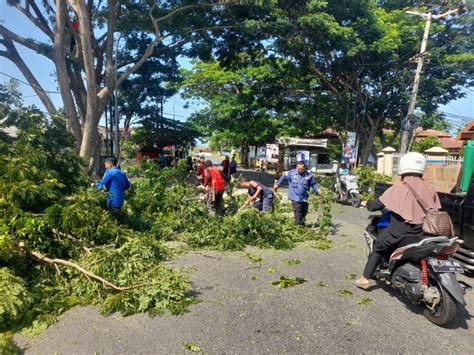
[[299, 183], [115, 182]]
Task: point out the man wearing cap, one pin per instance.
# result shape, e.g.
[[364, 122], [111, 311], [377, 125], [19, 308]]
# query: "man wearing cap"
[[299, 183], [115, 182]]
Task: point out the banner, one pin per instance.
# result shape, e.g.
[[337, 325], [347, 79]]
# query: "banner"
[[349, 149]]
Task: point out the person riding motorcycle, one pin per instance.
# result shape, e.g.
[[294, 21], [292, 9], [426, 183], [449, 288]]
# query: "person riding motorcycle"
[[406, 213]]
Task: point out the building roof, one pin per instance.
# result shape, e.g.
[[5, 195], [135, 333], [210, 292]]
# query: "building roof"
[[467, 132], [423, 133], [450, 143]]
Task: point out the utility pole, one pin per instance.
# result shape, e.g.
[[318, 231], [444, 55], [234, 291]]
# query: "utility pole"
[[408, 125], [408, 130]]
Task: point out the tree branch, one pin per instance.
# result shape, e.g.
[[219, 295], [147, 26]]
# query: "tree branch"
[[89, 275], [26, 42], [34, 20], [41, 18], [13, 55], [73, 239]]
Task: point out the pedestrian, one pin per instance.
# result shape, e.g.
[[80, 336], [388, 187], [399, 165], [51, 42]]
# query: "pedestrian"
[[299, 183], [162, 160], [189, 163], [214, 180], [225, 166], [261, 195], [200, 170], [115, 182], [233, 166]]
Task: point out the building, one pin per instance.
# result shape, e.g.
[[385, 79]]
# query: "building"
[[445, 140], [467, 133], [107, 136]]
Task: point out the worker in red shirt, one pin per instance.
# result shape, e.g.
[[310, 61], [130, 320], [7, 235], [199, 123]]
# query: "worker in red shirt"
[[200, 170], [214, 180]]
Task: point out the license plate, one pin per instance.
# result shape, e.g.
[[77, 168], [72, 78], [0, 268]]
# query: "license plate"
[[445, 266]]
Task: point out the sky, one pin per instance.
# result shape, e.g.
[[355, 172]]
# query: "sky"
[[458, 112]]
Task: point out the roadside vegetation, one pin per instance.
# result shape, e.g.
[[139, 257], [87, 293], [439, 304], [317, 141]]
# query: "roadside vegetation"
[[60, 247]]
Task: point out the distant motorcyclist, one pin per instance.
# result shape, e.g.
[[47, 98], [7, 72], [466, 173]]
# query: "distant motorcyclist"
[[407, 215], [343, 170]]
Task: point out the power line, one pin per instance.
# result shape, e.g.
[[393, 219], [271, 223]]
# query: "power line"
[[33, 86]]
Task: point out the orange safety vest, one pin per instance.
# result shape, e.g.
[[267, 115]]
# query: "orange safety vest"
[[216, 181]]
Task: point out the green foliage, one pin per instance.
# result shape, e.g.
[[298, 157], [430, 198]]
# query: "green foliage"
[[367, 177], [345, 292], [7, 345], [256, 258], [425, 144], [323, 204], [285, 281], [291, 262], [15, 299], [365, 301], [436, 121], [193, 348]]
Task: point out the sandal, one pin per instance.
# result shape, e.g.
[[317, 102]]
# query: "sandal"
[[359, 283]]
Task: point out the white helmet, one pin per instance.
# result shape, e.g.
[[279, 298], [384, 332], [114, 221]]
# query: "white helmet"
[[413, 163]]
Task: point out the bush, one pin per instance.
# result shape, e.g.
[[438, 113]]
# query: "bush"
[[367, 177]]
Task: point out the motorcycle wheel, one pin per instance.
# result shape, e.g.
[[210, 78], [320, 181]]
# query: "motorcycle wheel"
[[445, 311], [355, 199]]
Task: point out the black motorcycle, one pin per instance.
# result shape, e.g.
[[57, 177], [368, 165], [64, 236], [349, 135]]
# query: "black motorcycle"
[[424, 274]]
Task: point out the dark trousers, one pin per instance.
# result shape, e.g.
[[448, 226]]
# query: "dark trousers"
[[265, 204], [385, 244], [300, 210], [215, 202]]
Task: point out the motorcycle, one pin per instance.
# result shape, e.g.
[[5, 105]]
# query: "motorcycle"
[[347, 190], [424, 274]]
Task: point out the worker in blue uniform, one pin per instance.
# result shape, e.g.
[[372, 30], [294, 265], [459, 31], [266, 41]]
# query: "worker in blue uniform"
[[115, 182], [300, 181]]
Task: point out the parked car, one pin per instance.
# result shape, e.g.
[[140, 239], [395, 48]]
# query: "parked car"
[[461, 209]]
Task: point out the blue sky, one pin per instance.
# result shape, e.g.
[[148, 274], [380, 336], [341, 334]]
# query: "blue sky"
[[43, 69]]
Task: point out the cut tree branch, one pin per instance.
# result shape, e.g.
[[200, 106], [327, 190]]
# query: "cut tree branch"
[[106, 284], [73, 239]]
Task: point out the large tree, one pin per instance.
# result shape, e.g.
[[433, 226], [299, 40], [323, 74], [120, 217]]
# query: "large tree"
[[353, 61], [97, 45]]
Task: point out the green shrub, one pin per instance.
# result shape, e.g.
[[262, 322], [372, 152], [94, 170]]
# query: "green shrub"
[[367, 177]]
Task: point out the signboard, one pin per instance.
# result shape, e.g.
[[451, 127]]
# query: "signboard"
[[302, 155], [272, 152], [261, 152], [303, 142]]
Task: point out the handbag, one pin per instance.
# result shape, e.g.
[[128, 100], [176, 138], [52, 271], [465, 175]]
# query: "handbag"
[[436, 223]]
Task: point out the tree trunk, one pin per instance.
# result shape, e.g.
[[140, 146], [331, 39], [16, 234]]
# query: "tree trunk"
[[62, 73], [369, 140], [244, 154]]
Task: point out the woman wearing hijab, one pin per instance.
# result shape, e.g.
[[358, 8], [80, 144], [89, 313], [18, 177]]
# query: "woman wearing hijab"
[[407, 215]]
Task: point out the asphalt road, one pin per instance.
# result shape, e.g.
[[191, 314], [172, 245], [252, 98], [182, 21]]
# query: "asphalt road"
[[241, 312]]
